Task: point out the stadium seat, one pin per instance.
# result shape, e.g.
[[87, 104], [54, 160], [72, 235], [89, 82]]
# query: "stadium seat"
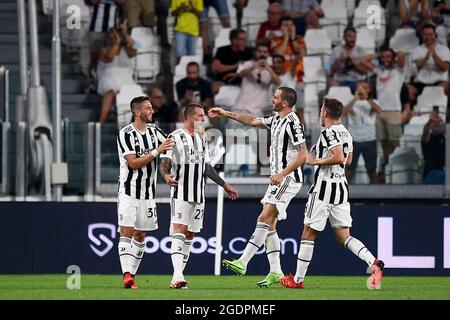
[[365, 40], [317, 42], [147, 64], [403, 166], [404, 39], [73, 38], [311, 105], [314, 70], [227, 96], [125, 95], [223, 39], [343, 94], [360, 21], [335, 19], [432, 96]]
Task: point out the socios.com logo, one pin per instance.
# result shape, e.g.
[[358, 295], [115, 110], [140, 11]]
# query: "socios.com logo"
[[101, 244]]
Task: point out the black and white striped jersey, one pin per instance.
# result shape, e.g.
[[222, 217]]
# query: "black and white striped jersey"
[[104, 16], [140, 183], [189, 157], [286, 134], [329, 181]]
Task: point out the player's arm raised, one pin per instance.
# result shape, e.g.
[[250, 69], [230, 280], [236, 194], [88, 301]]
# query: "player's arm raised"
[[246, 119], [211, 173], [298, 161], [138, 162]]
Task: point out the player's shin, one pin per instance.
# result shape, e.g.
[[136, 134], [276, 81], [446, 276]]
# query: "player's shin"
[[124, 248], [255, 242], [186, 252], [273, 251], [176, 254], [360, 250], [304, 257], [137, 252]]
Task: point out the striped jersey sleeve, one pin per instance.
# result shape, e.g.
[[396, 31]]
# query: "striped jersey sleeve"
[[296, 132], [267, 120], [126, 143], [160, 135], [167, 153], [331, 138]]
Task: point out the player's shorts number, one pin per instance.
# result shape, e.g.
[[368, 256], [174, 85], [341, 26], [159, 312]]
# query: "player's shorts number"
[[151, 212], [198, 214]]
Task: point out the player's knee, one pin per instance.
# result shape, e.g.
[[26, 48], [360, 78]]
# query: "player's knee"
[[139, 236]]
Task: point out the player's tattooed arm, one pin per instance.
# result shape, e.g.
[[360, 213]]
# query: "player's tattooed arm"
[[243, 118], [164, 168], [297, 162], [213, 175]]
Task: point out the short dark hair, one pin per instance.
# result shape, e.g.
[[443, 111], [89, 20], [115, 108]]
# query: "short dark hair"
[[235, 33], [289, 95], [278, 56], [334, 107], [137, 101], [189, 109], [193, 63], [286, 18], [349, 28], [428, 26]]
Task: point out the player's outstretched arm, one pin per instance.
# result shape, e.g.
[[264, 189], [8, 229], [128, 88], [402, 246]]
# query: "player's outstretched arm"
[[214, 176], [246, 119]]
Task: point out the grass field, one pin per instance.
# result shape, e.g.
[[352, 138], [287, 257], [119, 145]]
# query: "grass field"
[[155, 287]]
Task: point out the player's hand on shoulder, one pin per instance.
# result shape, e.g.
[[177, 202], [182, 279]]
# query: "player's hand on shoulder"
[[166, 145], [232, 192], [216, 112]]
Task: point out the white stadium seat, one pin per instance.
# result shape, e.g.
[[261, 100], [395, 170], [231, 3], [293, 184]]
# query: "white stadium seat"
[[126, 94], [148, 55]]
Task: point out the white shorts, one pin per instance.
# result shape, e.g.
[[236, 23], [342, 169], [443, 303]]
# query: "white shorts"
[[281, 195], [188, 213], [136, 213], [317, 212]]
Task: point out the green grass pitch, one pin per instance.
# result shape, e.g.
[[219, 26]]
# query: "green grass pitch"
[[156, 287]]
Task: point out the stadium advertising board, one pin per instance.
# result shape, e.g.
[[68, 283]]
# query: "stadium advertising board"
[[412, 239]]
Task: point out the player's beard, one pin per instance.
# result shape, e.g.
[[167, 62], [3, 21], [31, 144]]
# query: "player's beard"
[[277, 108], [146, 119]]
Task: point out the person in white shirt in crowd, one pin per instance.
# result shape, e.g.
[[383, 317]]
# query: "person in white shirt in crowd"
[[361, 113], [432, 61], [393, 101]]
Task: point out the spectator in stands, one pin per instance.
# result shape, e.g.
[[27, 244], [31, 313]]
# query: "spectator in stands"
[[291, 46], [414, 13], [389, 83], [140, 13], [228, 58], [441, 20], [432, 61], [105, 14], [187, 13], [360, 112], [224, 17], [194, 89], [346, 65], [304, 12], [115, 67], [287, 79], [165, 115], [270, 29], [433, 149], [257, 75]]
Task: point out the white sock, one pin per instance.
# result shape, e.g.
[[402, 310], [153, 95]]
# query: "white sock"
[[273, 251], [176, 254], [124, 248], [255, 242], [186, 252], [137, 252], [359, 249], [303, 259]]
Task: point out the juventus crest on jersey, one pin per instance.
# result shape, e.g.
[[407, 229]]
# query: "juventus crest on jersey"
[[330, 181], [189, 157], [286, 135], [140, 183]]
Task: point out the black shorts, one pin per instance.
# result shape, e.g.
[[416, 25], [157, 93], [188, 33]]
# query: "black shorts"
[[369, 152]]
